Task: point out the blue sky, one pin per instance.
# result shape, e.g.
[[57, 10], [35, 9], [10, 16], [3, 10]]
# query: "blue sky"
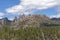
[[48, 12], [4, 4], [7, 5]]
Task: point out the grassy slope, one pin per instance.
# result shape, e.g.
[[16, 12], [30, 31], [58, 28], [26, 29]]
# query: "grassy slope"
[[30, 33], [33, 31]]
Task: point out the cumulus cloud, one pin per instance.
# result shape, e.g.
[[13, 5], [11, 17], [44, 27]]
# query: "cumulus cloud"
[[11, 19], [55, 16], [1, 14], [1, 17], [28, 6], [57, 9]]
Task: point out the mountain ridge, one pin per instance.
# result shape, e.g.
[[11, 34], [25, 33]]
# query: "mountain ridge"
[[33, 21]]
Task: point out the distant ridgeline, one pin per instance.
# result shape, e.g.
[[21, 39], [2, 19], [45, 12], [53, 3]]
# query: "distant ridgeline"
[[29, 20], [4, 21], [34, 20]]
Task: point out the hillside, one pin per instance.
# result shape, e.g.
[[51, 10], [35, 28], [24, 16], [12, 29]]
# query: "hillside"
[[31, 27], [30, 33], [33, 21]]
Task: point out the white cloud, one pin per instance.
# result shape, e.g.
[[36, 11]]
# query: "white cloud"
[[28, 6], [58, 1], [58, 10], [1, 14], [39, 3], [1, 17], [11, 19], [55, 16]]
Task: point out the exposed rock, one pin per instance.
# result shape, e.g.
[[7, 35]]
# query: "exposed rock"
[[4, 21], [31, 21]]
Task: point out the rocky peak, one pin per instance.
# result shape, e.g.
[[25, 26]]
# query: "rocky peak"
[[31, 20]]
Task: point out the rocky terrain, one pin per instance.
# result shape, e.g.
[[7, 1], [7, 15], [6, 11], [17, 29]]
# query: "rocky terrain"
[[33, 21], [30, 27], [30, 21]]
